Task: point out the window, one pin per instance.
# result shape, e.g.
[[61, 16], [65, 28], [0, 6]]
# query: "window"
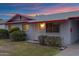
[[25, 27], [50, 27]]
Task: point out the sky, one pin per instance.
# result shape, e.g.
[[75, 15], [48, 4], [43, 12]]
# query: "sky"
[[7, 10]]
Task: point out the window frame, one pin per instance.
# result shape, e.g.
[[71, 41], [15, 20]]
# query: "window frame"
[[52, 27]]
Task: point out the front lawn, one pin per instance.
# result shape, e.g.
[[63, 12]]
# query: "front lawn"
[[26, 49]]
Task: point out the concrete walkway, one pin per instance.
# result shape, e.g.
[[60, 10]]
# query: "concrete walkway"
[[72, 50]]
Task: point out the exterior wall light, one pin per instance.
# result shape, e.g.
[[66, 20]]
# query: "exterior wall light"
[[42, 25]]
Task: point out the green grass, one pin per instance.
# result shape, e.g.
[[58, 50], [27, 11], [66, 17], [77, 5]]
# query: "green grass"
[[28, 49]]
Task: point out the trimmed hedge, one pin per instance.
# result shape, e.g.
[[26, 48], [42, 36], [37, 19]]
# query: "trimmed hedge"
[[18, 36], [53, 41], [50, 40], [4, 34], [42, 39]]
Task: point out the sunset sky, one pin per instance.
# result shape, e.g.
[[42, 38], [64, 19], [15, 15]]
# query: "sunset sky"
[[32, 9]]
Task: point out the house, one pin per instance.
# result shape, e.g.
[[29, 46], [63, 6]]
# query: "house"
[[64, 25]]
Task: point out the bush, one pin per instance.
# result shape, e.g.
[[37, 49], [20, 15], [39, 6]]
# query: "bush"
[[14, 29], [18, 36], [42, 39], [4, 34], [53, 41], [50, 40]]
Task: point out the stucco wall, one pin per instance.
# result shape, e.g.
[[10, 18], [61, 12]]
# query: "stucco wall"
[[31, 32], [34, 32], [65, 32], [75, 30]]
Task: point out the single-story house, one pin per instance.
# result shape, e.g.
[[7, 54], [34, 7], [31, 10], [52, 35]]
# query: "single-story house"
[[65, 25]]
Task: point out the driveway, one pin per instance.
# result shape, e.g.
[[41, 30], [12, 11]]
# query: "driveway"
[[72, 50]]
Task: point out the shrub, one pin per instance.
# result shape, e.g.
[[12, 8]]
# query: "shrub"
[[58, 41], [53, 41], [4, 34], [50, 40], [18, 36], [42, 39], [14, 29]]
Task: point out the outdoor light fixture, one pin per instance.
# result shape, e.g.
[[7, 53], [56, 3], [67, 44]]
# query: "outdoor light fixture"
[[42, 25]]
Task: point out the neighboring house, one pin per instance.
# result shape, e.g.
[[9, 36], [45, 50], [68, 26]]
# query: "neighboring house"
[[2, 24], [65, 25]]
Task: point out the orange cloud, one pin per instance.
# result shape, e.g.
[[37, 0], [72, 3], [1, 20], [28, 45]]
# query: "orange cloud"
[[30, 14], [59, 10], [49, 11]]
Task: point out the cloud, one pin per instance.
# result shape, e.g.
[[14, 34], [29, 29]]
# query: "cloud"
[[49, 11], [45, 10], [32, 8], [7, 14], [60, 10]]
